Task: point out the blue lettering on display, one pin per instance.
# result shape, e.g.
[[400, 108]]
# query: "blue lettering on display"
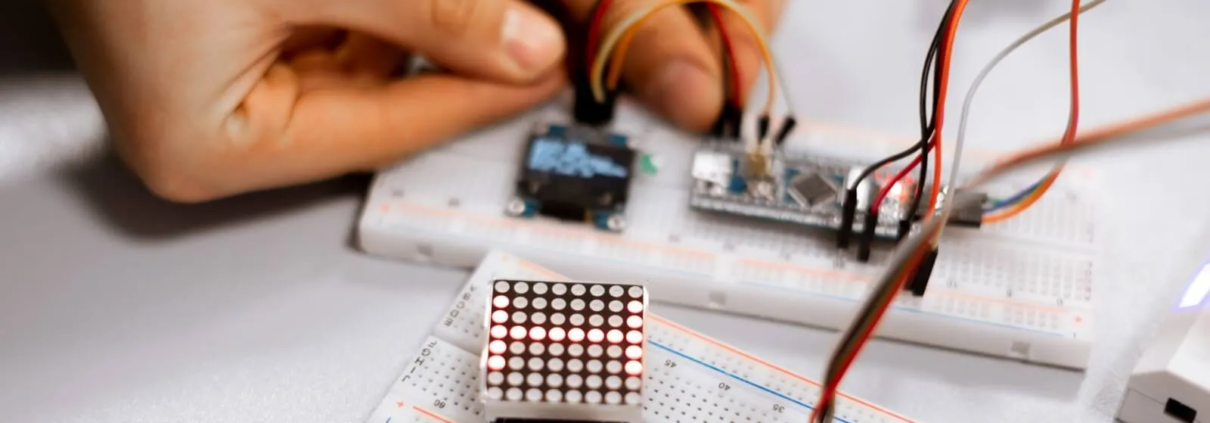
[[571, 159]]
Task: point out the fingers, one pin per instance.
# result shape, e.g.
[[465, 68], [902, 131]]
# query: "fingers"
[[310, 38], [747, 53], [669, 65], [503, 40], [282, 135], [362, 54]]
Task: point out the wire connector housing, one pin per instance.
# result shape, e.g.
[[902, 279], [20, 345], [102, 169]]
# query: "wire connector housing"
[[729, 122], [587, 111], [848, 213], [867, 237], [920, 280]]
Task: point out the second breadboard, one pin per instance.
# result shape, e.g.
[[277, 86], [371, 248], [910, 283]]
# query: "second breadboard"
[[689, 377], [1022, 289]]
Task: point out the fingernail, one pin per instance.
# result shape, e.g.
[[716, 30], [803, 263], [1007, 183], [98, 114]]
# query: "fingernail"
[[687, 94], [532, 40]]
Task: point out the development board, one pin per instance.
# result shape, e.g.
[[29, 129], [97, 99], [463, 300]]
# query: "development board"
[[1022, 289], [691, 377]]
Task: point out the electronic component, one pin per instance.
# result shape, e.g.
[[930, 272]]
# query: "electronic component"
[[794, 275], [441, 378], [565, 351], [587, 110], [811, 188], [813, 191], [924, 272], [968, 211], [1171, 382], [575, 173], [729, 122], [866, 190], [804, 190]]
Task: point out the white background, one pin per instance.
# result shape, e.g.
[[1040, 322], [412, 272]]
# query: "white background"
[[116, 307]]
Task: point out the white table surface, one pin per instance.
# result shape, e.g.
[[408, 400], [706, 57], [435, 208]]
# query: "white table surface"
[[118, 307]]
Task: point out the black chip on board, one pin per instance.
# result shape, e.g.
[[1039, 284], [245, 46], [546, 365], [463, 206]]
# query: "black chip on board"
[[811, 189]]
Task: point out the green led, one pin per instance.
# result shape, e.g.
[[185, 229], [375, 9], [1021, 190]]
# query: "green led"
[[649, 164]]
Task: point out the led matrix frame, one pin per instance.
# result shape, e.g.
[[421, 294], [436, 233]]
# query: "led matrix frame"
[[564, 350]]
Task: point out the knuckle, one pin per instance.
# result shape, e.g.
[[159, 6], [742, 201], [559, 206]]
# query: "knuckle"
[[175, 187], [168, 175], [170, 182], [454, 18]]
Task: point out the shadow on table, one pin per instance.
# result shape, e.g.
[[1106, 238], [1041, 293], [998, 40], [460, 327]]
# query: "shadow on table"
[[976, 372], [121, 200]]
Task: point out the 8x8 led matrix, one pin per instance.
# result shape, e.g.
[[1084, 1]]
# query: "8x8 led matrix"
[[569, 351]]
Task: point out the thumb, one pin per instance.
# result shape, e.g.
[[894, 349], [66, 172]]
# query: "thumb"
[[501, 40]]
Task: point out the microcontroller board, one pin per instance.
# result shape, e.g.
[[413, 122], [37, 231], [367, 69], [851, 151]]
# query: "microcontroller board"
[[800, 188], [811, 190]]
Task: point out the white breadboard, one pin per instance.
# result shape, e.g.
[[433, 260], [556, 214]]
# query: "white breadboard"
[[1021, 289], [691, 378]]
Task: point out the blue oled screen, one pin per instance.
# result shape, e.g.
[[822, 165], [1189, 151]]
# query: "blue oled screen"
[[574, 159]]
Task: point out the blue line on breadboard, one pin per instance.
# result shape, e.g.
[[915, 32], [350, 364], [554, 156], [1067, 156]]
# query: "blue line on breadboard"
[[739, 378]]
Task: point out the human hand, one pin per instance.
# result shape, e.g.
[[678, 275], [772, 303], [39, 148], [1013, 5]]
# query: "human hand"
[[674, 65], [207, 99]]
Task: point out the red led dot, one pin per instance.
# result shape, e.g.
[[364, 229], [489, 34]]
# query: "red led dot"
[[614, 336], [496, 347], [634, 322], [595, 335], [575, 335], [634, 352], [634, 368], [499, 332], [500, 301], [634, 306], [500, 316], [517, 332], [634, 337], [537, 334], [495, 362], [557, 334]]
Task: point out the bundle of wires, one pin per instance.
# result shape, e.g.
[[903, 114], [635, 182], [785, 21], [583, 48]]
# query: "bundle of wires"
[[610, 52], [914, 252], [936, 65], [1012, 206], [915, 247], [731, 81]]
